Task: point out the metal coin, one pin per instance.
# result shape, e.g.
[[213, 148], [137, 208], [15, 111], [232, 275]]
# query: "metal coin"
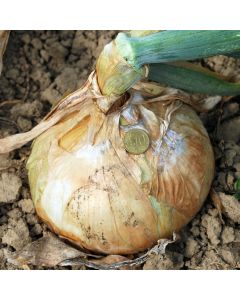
[[136, 141]]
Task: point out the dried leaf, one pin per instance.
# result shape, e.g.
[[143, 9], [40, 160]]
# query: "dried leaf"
[[47, 251], [50, 251], [160, 248], [112, 259], [66, 106]]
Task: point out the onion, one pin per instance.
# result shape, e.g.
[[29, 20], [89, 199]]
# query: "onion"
[[122, 163], [90, 190]]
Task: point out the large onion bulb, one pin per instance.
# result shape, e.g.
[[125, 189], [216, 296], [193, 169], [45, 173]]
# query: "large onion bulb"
[[90, 190]]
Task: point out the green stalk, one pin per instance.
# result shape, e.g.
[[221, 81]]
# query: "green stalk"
[[121, 63], [176, 45], [192, 78]]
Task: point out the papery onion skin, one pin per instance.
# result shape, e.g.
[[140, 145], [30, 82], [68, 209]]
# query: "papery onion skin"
[[88, 189]]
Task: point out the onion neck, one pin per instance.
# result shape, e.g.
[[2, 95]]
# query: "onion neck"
[[114, 75]]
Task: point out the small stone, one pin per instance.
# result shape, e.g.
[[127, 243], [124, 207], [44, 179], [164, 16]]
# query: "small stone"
[[203, 235], [228, 256], [15, 213], [25, 193], [230, 110], [50, 41], [44, 54], [30, 110], [20, 80], [3, 229], [229, 156], [237, 166], [194, 262], [195, 231], [191, 248], [66, 43], [222, 179], [226, 66], [82, 63], [237, 159], [67, 81], [57, 50], [21, 91], [212, 261], [12, 74], [5, 161], [26, 38], [237, 235], [213, 212], [10, 185], [217, 152], [230, 130], [93, 35], [168, 261], [37, 43], [24, 124], [78, 43], [17, 236], [227, 235], [32, 219], [233, 108], [232, 145], [26, 49], [214, 228], [26, 205], [231, 207], [40, 77], [72, 58], [3, 219], [51, 95], [36, 230]]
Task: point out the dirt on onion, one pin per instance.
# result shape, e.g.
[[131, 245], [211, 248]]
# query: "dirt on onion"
[[40, 67]]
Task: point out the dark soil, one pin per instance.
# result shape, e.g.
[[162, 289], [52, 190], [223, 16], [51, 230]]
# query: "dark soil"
[[42, 66]]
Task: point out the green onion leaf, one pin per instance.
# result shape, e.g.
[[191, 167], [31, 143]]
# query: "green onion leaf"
[[192, 78], [176, 45]]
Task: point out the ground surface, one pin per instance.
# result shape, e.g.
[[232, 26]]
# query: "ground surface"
[[40, 67]]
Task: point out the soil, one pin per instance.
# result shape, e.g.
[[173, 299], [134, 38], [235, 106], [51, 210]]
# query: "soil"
[[42, 66]]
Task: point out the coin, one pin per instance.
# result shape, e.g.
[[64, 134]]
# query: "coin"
[[136, 141]]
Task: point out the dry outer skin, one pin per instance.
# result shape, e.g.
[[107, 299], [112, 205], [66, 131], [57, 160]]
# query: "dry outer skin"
[[107, 207], [32, 63]]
